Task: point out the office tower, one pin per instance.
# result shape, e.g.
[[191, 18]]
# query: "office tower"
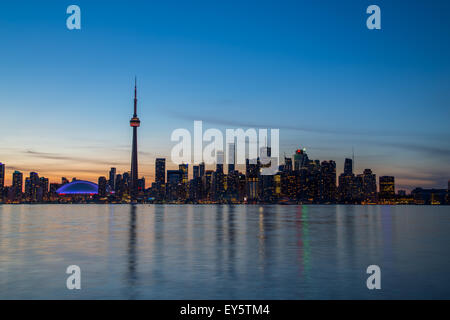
[[300, 159], [219, 161], [369, 188], [112, 178], [206, 185], [287, 164], [348, 166], [160, 171], [32, 186], [17, 184], [102, 186], [120, 187], [174, 184], [202, 169], [252, 170], [347, 188], [231, 156], [387, 187], [184, 168], [2, 177], [134, 123], [43, 182], [195, 172], [328, 185]]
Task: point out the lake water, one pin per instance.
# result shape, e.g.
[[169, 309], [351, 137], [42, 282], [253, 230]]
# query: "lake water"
[[224, 252]]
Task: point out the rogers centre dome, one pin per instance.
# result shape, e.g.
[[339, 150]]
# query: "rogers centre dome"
[[78, 187]]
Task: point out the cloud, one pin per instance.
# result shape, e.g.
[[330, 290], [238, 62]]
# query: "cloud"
[[300, 128], [65, 157]]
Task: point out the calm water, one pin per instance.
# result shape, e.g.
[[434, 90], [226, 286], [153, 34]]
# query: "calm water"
[[224, 252]]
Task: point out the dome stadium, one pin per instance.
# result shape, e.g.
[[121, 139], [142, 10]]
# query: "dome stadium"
[[80, 187]]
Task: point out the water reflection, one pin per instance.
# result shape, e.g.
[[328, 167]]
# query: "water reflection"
[[131, 276], [223, 252]]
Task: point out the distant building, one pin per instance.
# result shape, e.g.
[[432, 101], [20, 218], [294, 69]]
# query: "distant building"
[[2, 176], [328, 185], [348, 188], [231, 156], [112, 178], [202, 169], [348, 166], [369, 186], [184, 169], [429, 196], [17, 185], [387, 188], [102, 187], [300, 159], [195, 172], [160, 171]]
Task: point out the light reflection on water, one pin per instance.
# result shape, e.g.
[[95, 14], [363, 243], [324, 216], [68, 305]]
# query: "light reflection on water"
[[224, 252]]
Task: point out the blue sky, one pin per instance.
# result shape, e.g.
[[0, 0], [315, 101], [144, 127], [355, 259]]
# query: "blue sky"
[[310, 68]]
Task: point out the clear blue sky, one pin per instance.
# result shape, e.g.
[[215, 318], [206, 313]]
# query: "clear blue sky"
[[310, 68]]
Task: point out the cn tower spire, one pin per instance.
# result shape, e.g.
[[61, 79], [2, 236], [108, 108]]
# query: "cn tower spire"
[[135, 97]]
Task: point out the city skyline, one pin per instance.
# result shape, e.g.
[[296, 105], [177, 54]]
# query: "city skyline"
[[329, 84]]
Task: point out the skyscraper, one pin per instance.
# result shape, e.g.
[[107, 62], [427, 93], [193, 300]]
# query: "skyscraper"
[[202, 169], [160, 171], [300, 159], [17, 184], [328, 183], [2, 176], [348, 166], [387, 187], [134, 123], [102, 186], [184, 168], [196, 172], [231, 156], [112, 178]]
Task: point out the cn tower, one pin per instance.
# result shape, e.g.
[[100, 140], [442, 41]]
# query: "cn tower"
[[134, 123]]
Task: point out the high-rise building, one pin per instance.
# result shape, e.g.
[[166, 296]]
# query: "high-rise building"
[[219, 161], [134, 123], [202, 169], [387, 187], [17, 184], [348, 166], [347, 190], [287, 164], [112, 178], [300, 159], [2, 177], [102, 186], [369, 188], [44, 186], [184, 169], [231, 156], [195, 172], [174, 184], [328, 184], [160, 171]]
